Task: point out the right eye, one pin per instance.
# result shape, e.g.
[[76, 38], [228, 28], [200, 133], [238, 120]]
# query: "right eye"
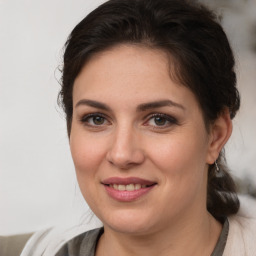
[[95, 120]]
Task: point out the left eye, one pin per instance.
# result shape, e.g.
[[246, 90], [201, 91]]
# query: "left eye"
[[94, 120], [161, 120], [158, 120], [97, 120]]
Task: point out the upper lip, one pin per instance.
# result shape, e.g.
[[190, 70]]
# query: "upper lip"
[[127, 181]]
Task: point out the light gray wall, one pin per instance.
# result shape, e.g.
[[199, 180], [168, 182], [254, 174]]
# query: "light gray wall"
[[37, 179]]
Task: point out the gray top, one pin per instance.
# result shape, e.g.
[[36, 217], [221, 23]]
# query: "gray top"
[[220, 246], [85, 244]]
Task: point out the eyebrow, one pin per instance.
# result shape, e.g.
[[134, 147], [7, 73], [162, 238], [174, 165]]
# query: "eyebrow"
[[140, 108], [159, 104], [93, 103]]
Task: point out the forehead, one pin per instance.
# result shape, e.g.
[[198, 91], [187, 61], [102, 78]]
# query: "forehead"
[[123, 61], [129, 72]]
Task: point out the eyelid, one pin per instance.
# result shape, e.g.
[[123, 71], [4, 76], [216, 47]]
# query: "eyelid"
[[172, 120], [85, 117]]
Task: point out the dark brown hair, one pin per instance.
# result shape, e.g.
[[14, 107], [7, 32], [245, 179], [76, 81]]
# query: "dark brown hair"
[[202, 57]]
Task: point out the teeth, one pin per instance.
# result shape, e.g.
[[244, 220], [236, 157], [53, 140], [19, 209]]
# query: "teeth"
[[137, 186], [121, 187], [129, 187]]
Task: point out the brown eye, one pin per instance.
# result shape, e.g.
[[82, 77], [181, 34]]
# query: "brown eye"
[[160, 121], [98, 120], [94, 120]]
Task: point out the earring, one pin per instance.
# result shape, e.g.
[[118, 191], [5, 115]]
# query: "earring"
[[218, 172]]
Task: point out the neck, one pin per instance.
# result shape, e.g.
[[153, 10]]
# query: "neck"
[[179, 238]]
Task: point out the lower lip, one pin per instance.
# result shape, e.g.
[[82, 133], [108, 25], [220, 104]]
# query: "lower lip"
[[127, 196]]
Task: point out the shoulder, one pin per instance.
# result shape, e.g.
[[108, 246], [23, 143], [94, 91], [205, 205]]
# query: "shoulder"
[[81, 245], [242, 230], [58, 241]]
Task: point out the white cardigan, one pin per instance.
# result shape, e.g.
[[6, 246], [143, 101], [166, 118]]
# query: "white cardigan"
[[241, 239], [242, 230]]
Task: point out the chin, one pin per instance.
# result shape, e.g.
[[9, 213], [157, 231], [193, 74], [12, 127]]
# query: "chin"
[[128, 222]]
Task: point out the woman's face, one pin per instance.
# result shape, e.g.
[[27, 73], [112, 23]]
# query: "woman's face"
[[138, 141]]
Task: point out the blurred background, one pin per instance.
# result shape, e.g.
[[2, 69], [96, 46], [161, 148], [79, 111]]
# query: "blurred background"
[[38, 186]]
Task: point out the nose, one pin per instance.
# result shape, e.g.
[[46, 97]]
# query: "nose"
[[125, 150]]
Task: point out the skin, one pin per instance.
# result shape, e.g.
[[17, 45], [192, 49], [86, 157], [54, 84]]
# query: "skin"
[[174, 151]]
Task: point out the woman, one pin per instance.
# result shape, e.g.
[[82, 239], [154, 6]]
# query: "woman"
[[149, 91]]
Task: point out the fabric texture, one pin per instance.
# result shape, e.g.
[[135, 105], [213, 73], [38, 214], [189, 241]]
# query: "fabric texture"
[[242, 236], [242, 230], [82, 245]]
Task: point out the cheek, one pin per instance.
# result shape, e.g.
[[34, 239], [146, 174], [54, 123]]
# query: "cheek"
[[182, 164], [87, 157], [88, 153], [181, 158]]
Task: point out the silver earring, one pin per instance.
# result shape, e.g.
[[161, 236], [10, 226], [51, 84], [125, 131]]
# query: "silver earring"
[[218, 172]]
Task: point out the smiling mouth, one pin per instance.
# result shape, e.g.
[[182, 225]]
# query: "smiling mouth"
[[129, 187]]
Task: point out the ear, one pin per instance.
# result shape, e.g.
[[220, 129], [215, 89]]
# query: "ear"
[[220, 132]]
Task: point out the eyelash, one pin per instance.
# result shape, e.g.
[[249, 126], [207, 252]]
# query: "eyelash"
[[171, 120], [167, 118], [84, 119]]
